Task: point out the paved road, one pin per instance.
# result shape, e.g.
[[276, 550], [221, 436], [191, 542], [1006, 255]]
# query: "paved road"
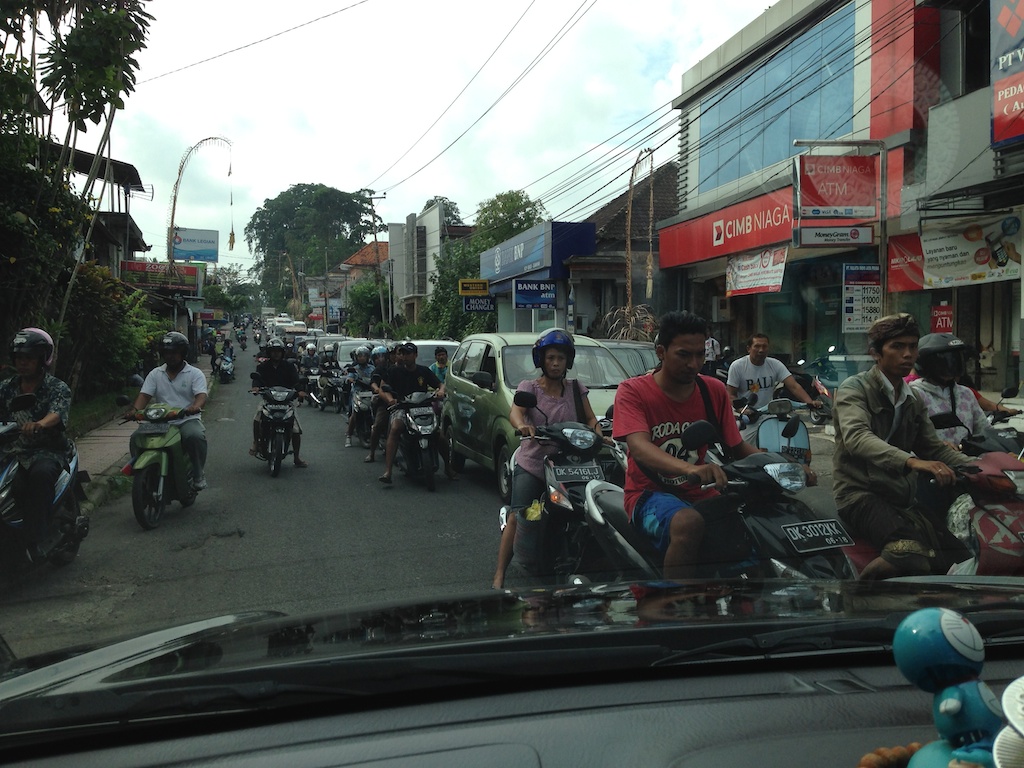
[[311, 538]]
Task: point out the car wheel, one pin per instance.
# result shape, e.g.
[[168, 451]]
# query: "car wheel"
[[456, 461], [504, 476]]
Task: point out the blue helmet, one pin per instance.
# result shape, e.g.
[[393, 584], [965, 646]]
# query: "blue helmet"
[[555, 337]]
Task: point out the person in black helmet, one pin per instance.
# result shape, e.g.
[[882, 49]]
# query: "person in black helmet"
[[884, 439], [182, 386], [941, 361], [42, 444]]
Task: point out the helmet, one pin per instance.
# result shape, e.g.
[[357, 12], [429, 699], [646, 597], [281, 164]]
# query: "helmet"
[[174, 342], [275, 343], [890, 327], [361, 351], [311, 347], [33, 340], [941, 356], [379, 350], [555, 337]]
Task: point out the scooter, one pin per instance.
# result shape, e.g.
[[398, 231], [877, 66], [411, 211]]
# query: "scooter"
[[362, 410], [567, 552], [419, 439], [162, 471], [332, 389], [226, 370], [68, 526], [312, 387], [277, 420], [756, 528]]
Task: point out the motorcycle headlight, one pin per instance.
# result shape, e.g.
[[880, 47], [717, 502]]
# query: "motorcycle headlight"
[[155, 414], [790, 476], [581, 439]]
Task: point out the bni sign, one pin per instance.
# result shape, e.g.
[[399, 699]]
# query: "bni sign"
[[534, 294]]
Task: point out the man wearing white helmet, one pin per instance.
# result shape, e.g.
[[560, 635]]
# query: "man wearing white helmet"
[[363, 369], [42, 443]]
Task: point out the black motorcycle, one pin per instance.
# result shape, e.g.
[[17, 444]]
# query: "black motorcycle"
[[277, 421], [332, 389], [362, 398], [756, 528], [566, 551], [419, 439]]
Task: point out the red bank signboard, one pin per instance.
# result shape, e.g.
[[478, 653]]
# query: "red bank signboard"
[[837, 187], [1007, 70]]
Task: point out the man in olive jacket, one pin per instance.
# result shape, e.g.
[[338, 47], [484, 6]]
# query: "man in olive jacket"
[[884, 438]]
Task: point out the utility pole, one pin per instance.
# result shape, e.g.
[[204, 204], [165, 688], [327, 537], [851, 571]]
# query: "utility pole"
[[376, 260]]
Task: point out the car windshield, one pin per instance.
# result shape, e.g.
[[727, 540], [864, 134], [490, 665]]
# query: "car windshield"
[[595, 367], [803, 205]]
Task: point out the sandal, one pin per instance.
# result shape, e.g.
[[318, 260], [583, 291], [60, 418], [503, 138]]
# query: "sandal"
[[369, 460], [385, 479], [301, 464]]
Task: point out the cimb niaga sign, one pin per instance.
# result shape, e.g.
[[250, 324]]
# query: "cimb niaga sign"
[[837, 186]]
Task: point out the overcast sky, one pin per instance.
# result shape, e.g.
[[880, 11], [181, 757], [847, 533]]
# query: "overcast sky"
[[555, 97]]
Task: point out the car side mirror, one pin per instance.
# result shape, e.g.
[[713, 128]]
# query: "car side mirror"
[[483, 379]]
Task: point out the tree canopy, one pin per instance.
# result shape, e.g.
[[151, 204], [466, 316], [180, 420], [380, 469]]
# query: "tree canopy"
[[504, 216], [452, 217]]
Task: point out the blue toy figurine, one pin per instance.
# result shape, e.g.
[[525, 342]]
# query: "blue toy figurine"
[[941, 652]]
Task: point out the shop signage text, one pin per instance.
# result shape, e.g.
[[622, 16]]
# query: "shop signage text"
[[840, 187], [862, 296], [160, 274], [534, 294], [758, 272], [1006, 70], [478, 304], [473, 287], [195, 244], [826, 236]]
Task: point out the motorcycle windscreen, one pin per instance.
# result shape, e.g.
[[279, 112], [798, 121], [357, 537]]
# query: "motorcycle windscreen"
[[770, 438]]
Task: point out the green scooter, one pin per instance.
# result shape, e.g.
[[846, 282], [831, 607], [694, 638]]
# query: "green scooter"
[[162, 470]]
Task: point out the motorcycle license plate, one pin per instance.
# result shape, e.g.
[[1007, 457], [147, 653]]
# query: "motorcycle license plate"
[[154, 428], [570, 473], [422, 411], [816, 535]]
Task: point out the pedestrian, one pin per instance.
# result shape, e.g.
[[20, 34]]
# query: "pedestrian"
[[712, 355]]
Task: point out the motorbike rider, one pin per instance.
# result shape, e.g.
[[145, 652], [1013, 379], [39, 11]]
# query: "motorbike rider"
[[41, 447], [402, 379], [363, 370], [650, 413], [884, 438], [181, 386], [275, 371], [757, 373], [311, 359], [553, 353], [379, 358]]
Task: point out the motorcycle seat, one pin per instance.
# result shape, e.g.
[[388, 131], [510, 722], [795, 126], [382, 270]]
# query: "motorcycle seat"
[[614, 513]]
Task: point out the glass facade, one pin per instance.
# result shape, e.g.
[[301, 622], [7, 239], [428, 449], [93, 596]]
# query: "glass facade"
[[804, 91]]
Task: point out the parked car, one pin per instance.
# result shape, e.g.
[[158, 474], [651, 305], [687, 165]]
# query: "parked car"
[[425, 349], [482, 380], [637, 357]]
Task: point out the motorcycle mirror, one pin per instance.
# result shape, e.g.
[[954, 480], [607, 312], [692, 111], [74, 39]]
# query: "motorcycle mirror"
[[739, 403], [1010, 392], [256, 378], [122, 400], [525, 399], [751, 398], [697, 434], [23, 402], [610, 412], [780, 407]]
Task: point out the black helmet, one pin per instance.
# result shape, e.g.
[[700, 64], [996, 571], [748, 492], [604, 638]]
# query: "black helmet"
[[275, 343], [174, 342], [941, 356], [555, 337], [33, 340]]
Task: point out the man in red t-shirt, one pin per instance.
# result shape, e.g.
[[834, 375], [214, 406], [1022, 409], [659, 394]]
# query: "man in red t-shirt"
[[651, 413]]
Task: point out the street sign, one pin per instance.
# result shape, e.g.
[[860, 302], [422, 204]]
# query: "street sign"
[[474, 287], [826, 236], [478, 304]]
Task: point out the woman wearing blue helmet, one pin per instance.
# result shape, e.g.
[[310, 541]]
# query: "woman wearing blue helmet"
[[558, 399]]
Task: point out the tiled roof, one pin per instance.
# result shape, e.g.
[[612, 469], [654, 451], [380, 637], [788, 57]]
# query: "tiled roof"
[[365, 256], [611, 218]]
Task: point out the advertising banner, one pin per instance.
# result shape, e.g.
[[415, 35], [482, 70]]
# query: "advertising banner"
[[151, 275], [862, 296], [195, 244], [942, 319], [837, 186], [333, 309], [1006, 48], [478, 304], [534, 294], [758, 272]]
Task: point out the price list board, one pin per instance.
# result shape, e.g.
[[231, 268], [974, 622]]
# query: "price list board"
[[862, 296]]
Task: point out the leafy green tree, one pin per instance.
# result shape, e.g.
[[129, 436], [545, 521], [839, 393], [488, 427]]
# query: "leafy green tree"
[[504, 216], [452, 217], [315, 225], [364, 308]]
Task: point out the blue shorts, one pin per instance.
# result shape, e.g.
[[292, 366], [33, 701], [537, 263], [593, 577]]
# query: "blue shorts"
[[653, 515]]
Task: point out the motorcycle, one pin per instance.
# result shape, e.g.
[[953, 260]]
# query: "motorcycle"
[[162, 471], [226, 369], [312, 385], [68, 526], [332, 389], [362, 409], [277, 420], [566, 547], [419, 440], [757, 528], [242, 342]]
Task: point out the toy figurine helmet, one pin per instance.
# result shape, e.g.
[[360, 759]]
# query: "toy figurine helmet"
[[174, 342], [33, 340], [941, 356], [555, 337]]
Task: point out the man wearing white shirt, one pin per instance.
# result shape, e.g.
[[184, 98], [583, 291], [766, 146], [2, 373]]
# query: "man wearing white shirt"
[[757, 373]]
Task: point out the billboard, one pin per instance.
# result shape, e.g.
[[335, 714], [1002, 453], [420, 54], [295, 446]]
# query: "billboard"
[[1006, 54], [195, 244], [837, 186], [150, 275], [757, 272]]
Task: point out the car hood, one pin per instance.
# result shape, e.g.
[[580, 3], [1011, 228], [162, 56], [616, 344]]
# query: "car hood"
[[709, 611]]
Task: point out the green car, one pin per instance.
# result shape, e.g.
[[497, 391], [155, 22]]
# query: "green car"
[[482, 380]]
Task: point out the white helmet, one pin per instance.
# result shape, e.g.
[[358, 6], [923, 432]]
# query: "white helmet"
[[311, 347]]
